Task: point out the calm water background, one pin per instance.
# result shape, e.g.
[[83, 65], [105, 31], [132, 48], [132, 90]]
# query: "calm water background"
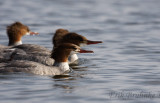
[[125, 68]]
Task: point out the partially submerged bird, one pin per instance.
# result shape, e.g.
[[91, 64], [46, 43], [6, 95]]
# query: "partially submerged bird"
[[15, 32], [60, 54]]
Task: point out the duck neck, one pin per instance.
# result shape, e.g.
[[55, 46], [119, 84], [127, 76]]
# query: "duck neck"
[[62, 65], [14, 43], [73, 58]]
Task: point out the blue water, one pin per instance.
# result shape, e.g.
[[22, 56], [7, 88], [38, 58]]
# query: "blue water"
[[125, 68]]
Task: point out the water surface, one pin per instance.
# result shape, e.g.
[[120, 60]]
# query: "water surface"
[[125, 68]]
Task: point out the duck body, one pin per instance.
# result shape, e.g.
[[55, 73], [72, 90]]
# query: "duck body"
[[29, 52], [31, 67], [60, 55]]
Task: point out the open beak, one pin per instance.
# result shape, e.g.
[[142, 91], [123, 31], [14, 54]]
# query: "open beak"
[[33, 33], [93, 42], [85, 51]]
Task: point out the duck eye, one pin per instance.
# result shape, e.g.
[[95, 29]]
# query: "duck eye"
[[74, 48], [81, 39]]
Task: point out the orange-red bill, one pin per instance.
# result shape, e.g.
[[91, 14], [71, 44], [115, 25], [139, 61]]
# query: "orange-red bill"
[[34, 33], [85, 51], [93, 42]]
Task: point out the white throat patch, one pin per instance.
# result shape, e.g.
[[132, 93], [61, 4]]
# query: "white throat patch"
[[73, 58], [18, 43], [28, 33], [63, 66]]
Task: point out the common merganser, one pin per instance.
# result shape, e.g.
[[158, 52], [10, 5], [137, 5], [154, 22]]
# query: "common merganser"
[[15, 32], [64, 36], [60, 54]]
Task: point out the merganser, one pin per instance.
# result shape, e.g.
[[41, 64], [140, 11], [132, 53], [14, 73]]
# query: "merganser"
[[64, 36], [15, 32], [60, 54]]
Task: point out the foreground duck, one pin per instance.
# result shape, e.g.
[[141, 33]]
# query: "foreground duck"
[[60, 54]]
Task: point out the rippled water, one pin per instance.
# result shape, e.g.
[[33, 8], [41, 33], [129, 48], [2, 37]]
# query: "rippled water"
[[125, 68]]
